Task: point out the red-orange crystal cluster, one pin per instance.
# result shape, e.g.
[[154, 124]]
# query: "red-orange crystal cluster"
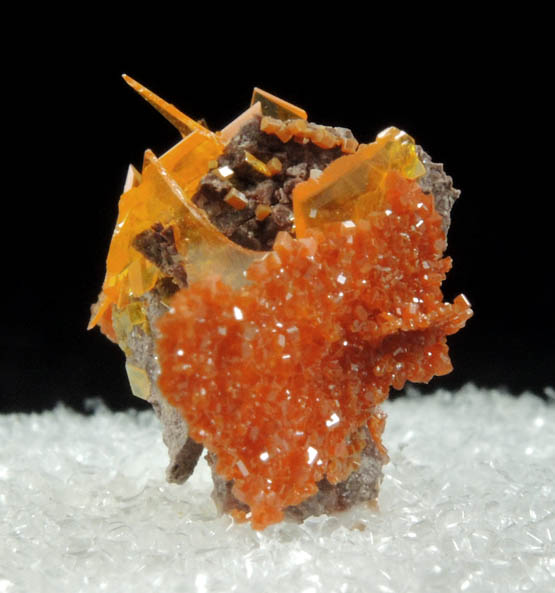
[[279, 377]]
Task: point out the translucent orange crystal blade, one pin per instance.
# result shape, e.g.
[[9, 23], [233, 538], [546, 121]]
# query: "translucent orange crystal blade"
[[205, 249], [182, 122], [353, 186], [276, 107], [160, 198], [187, 162], [128, 273], [163, 195]]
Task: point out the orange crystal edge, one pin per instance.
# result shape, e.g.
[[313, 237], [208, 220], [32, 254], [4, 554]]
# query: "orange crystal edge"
[[260, 395], [129, 275]]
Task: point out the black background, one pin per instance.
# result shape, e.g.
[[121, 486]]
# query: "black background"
[[473, 102]]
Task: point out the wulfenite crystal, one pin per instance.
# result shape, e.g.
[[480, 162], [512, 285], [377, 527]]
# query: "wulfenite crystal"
[[269, 284]]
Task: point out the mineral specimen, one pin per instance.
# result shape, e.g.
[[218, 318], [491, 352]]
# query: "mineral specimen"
[[268, 284]]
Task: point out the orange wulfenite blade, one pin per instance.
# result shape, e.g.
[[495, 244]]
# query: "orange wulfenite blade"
[[276, 107], [182, 122]]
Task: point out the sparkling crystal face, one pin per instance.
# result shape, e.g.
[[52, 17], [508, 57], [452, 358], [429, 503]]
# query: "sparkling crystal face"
[[278, 360]]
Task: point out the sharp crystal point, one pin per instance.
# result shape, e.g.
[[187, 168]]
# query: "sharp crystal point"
[[183, 123]]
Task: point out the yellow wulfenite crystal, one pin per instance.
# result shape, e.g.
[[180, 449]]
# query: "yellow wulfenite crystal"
[[236, 199], [162, 194], [353, 186], [257, 164], [139, 381], [274, 165], [276, 107], [159, 198], [179, 120]]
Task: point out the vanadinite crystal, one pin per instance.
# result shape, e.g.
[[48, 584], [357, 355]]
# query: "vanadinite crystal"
[[272, 282]]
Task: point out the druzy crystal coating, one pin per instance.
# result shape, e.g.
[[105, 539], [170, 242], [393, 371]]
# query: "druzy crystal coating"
[[278, 360]]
